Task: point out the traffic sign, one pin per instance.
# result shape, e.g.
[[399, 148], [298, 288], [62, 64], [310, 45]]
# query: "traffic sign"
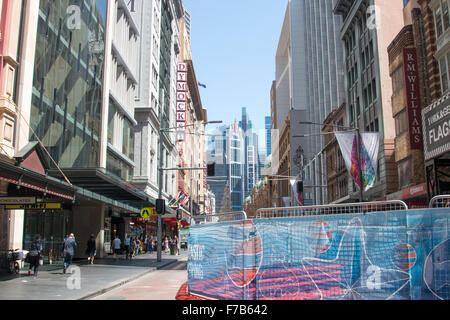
[[146, 213]]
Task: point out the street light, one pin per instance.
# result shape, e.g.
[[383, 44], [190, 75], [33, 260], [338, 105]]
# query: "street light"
[[161, 169]]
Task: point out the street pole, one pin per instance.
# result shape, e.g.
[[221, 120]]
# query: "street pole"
[[358, 155], [161, 150], [192, 193]]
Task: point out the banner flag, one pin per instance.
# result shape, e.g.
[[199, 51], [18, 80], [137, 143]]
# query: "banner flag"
[[370, 144], [298, 196]]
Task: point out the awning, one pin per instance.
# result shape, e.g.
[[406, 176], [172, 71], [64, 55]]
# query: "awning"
[[97, 180], [23, 177]]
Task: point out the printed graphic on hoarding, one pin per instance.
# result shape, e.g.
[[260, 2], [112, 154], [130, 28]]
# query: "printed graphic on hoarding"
[[396, 255]]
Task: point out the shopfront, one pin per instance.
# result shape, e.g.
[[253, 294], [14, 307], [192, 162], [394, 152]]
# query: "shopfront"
[[415, 197], [436, 131], [34, 204], [52, 226]]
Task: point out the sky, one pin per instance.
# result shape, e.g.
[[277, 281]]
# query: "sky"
[[234, 44]]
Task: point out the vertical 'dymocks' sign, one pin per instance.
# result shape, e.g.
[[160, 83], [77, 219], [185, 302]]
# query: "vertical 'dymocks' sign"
[[413, 103], [181, 101]]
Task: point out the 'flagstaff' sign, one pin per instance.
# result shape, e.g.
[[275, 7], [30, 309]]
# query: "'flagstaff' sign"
[[436, 128]]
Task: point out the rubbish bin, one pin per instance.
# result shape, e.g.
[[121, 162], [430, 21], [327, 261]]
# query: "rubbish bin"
[[172, 249]]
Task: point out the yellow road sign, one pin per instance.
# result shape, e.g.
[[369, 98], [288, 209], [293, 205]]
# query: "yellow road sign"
[[146, 213]]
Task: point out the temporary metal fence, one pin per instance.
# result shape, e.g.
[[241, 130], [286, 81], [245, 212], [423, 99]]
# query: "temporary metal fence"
[[218, 218], [346, 208], [442, 201]]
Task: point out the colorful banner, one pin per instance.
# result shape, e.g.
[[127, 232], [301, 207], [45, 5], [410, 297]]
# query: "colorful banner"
[[369, 147], [397, 255]]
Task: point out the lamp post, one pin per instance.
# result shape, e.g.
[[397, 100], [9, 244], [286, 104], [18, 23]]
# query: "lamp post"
[[161, 169]]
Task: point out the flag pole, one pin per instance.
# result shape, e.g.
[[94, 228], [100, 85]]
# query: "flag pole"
[[358, 154]]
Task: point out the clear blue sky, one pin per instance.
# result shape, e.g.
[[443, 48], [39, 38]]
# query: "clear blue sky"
[[234, 45]]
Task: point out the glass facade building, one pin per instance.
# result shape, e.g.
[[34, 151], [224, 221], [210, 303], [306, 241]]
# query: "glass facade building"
[[66, 105], [68, 80]]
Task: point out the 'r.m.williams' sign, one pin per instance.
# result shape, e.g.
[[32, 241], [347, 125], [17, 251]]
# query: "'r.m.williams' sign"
[[436, 128], [413, 101]]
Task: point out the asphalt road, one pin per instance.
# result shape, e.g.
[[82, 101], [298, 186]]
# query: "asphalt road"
[[159, 285]]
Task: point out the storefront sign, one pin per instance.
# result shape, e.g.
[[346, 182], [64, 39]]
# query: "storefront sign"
[[436, 128], [413, 102], [17, 200], [181, 101], [37, 206], [416, 191]]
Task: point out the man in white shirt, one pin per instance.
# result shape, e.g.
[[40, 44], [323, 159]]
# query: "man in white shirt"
[[116, 246]]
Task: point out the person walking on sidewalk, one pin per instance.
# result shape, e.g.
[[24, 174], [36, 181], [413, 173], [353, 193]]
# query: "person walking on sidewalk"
[[35, 255], [166, 245], [132, 247], [91, 249], [149, 244], [116, 246], [177, 245], [127, 247], [69, 250]]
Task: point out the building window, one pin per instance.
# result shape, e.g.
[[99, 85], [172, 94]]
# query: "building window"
[[441, 18], [398, 82], [405, 173], [128, 139], [401, 123], [444, 72]]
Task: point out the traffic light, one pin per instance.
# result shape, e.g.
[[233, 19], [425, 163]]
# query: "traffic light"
[[299, 186], [179, 214], [211, 168], [160, 206]]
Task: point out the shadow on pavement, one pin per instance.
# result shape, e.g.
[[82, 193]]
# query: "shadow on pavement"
[[179, 265]]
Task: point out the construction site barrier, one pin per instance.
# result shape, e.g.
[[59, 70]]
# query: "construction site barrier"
[[442, 201], [218, 218], [380, 255], [345, 208]]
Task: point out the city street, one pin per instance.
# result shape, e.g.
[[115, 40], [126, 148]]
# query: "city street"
[[89, 281], [163, 284]]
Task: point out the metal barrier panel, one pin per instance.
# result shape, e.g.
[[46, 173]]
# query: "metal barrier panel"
[[384, 255], [362, 208], [218, 218], [442, 201]]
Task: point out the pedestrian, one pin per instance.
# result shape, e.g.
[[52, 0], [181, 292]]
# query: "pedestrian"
[[166, 245], [91, 249], [146, 246], [149, 244], [116, 246], [132, 247], [34, 255], [176, 242], [127, 247], [69, 250]]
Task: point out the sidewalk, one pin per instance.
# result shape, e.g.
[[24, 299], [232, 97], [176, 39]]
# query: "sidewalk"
[[104, 275]]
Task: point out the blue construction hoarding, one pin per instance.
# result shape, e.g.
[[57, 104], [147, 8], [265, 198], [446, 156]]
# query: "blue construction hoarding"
[[399, 255]]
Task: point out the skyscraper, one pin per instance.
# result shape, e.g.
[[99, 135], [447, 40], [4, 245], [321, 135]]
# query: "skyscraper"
[[226, 149], [309, 83], [268, 128]]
